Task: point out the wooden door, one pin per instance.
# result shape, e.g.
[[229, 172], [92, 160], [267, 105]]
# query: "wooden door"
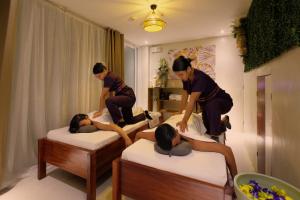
[[261, 128]]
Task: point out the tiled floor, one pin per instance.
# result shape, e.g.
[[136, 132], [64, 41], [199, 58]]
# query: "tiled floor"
[[59, 185]]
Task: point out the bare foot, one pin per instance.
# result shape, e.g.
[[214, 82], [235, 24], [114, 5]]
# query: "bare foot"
[[226, 121]]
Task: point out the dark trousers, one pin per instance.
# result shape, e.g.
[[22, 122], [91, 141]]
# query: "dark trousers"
[[125, 100], [212, 111]]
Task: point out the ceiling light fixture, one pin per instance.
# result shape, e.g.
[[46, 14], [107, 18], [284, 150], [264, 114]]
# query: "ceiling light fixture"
[[153, 22]]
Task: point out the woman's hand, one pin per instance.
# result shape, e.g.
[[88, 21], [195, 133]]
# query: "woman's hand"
[[182, 126], [97, 114]]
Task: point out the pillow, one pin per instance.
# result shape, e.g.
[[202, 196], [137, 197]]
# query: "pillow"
[[137, 110], [181, 149], [87, 129]]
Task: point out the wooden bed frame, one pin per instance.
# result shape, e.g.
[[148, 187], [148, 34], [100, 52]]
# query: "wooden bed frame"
[[141, 182], [88, 164]]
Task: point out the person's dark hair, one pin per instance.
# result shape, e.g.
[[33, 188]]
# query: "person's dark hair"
[[181, 64], [98, 68], [74, 124], [164, 135]]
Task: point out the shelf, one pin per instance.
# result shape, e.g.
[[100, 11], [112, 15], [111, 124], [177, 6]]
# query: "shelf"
[[169, 110], [169, 100], [154, 101], [165, 88]]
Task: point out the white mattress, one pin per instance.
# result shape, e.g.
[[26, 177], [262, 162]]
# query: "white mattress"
[[91, 141], [196, 129], [205, 166], [98, 139]]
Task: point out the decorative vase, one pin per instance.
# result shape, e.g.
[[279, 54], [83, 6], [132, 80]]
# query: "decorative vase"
[[164, 81]]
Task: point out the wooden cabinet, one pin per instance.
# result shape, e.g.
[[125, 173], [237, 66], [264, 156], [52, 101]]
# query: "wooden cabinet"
[[158, 100]]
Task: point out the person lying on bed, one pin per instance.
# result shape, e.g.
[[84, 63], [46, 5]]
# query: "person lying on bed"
[[167, 138], [81, 123]]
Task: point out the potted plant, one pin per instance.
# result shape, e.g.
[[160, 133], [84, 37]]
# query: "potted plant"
[[163, 71], [239, 32]]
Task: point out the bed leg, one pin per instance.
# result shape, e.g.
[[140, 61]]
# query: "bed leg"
[[91, 177], [228, 192], [41, 161], [116, 187]]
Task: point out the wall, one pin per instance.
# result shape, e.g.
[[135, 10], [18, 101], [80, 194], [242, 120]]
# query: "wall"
[[285, 83], [229, 70], [129, 66], [141, 75]]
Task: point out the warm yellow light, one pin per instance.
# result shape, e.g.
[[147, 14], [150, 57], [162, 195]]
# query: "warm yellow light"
[[154, 23]]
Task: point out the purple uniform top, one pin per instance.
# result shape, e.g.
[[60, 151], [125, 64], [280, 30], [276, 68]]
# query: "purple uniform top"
[[201, 83], [113, 82]]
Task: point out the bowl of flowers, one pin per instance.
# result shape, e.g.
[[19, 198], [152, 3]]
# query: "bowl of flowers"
[[255, 186]]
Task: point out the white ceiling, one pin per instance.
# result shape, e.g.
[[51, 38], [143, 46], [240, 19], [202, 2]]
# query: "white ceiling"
[[186, 19]]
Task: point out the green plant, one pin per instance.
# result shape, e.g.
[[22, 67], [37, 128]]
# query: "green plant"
[[271, 28], [239, 32], [163, 69]]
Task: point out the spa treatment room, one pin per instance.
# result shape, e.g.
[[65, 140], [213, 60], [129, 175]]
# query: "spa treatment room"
[[149, 99]]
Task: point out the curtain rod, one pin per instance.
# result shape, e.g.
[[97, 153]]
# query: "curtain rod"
[[64, 9]]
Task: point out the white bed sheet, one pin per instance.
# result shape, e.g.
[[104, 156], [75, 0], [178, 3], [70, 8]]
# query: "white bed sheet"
[[196, 129], [91, 141], [209, 167], [98, 139]]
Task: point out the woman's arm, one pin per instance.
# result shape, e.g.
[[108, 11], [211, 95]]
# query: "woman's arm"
[[188, 111], [145, 135], [113, 127], [219, 148], [104, 93], [183, 101]]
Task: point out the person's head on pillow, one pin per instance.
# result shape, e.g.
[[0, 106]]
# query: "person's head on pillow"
[[166, 137], [77, 121]]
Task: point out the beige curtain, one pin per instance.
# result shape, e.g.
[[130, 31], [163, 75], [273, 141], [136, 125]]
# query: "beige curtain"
[[7, 44], [115, 52], [51, 80], [4, 11]]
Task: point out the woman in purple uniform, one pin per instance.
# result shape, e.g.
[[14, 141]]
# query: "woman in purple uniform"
[[202, 90], [123, 98]]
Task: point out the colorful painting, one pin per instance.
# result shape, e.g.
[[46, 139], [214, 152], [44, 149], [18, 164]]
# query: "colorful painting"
[[203, 59]]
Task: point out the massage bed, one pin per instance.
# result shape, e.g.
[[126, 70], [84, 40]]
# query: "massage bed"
[[88, 155], [143, 174]]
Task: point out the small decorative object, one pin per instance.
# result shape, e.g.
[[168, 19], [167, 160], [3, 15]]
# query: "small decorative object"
[[155, 82], [163, 71]]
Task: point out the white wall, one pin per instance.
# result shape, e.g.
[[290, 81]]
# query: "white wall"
[[129, 65], [141, 82], [229, 70], [285, 82]]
